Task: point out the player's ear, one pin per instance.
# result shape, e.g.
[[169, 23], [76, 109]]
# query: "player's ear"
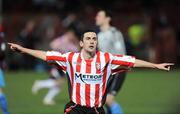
[[81, 43], [109, 19]]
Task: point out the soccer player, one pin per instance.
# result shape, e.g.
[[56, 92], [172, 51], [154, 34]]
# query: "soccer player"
[[3, 101], [88, 72], [54, 84], [111, 40]]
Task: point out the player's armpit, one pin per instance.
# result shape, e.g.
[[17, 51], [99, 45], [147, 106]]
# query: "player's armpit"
[[120, 69]]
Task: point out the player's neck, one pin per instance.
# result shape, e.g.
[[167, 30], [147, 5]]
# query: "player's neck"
[[87, 55], [105, 27]]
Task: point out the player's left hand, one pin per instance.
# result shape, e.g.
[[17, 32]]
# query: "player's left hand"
[[164, 66]]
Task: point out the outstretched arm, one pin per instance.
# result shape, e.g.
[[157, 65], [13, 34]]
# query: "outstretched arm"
[[36, 53], [162, 66]]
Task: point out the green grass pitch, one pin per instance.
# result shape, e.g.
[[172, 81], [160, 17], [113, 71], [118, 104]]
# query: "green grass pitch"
[[144, 92]]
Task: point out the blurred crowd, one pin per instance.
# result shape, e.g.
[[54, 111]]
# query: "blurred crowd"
[[151, 29]]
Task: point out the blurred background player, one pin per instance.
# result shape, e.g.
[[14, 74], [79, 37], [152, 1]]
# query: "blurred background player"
[[3, 101], [28, 39], [65, 43], [111, 40], [54, 88]]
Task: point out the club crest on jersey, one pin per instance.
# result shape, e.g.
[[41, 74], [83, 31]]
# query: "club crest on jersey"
[[98, 66]]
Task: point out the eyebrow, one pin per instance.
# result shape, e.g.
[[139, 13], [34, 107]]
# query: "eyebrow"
[[91, 37]]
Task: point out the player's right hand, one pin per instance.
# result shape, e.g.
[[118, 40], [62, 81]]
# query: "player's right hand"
[[15, 47]]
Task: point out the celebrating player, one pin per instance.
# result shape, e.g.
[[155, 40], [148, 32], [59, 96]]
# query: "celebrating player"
[[88, 72], [111, 40]]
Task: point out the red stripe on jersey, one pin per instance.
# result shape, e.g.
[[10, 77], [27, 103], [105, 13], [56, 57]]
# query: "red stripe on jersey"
[[97, 95], [88, 66], [98, 63], [87, 94], [78, 69], [105, 73], [70, 57], [78, 64], [57, 58], [119, 62], [78, 97], [118, 55]]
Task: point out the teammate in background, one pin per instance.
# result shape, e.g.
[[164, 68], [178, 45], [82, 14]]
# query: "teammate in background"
[[3, 101], [88, 72], [65, 43], [111, 40]]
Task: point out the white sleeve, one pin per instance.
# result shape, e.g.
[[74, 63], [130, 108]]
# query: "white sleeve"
[[58, 59], [121, 63]]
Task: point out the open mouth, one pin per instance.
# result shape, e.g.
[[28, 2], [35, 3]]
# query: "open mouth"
[[91, 47]]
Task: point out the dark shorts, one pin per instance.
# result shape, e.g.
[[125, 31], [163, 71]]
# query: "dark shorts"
[[115, 83], [72, 108]]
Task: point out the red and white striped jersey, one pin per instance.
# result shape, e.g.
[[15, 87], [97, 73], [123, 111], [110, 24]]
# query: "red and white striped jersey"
[[88, 78]]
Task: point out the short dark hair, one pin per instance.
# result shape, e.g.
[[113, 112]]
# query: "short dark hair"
[[82, 35], [107, 12]]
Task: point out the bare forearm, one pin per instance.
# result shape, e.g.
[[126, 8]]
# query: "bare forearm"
[[161, 66], [141, 63], [35, 53]]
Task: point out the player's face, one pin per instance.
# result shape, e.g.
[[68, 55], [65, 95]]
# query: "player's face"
[[100, 18], [89, 42]]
